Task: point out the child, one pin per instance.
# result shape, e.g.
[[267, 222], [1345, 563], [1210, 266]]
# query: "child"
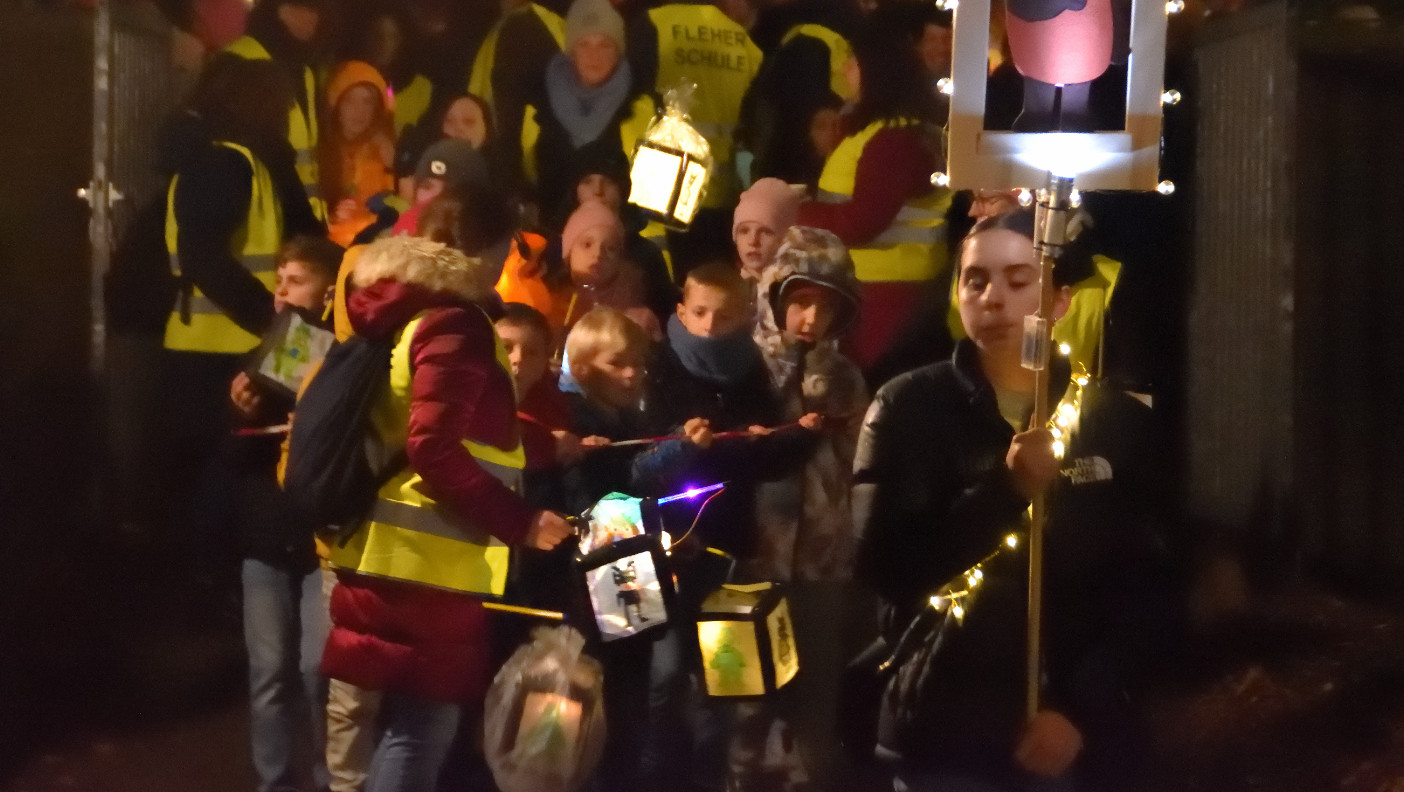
[[446, 165], [285, 621], [762, 215], [356, 149], [805, 529], [541, 407], [946, 467]]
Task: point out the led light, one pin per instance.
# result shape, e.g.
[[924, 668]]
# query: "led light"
[[1166, 187], [1057, 433], [947, 5], [938, 602], [940, 179], [958, 611], [1067, 411], [1025, 198], [1174, 6], [1058, 448], [972, 581], [1081, 381], [666, 539], [1171, 97], [945, 86], [1075, 198], [1064, 350], [978, 574], [1011, 540]]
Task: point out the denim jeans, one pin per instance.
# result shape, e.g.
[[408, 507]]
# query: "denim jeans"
[[689, 732], [412, 749], [285, 628]]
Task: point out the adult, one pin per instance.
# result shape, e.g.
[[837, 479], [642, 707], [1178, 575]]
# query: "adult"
[[406, 611], [591, 105], [875, 191], [697, 42], [286, 32]]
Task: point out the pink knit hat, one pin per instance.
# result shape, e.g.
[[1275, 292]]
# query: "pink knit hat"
[[590, 214], [770, 202]]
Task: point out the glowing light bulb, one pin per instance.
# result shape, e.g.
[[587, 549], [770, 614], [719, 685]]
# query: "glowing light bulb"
[[1075, 198], [1171, 97], [1064, 350], [945, 85], [1166, 187], [972, 581], [947, 5], [940, 179], [1174, 6], [666, 539], [1011, 541], [1081, 381], [958, 611], [1056, 432], [1058, 448], [938, 602], [1026, 198], [978, 574]]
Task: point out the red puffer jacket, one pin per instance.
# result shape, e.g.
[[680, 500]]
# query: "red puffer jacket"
[[421, 641]]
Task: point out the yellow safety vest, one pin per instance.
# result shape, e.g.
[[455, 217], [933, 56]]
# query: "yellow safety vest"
[[480, 77], [657, 233], [700, 44], [302, 124], [407, 536], [412, 102], [1082, 326], [631, 131], [197, 323], [913, 247], [839, 52]]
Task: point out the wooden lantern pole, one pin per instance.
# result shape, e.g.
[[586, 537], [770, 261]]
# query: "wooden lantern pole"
[[1050, 235]]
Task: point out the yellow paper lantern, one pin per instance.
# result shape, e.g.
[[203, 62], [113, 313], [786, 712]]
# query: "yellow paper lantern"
[[747, 641]]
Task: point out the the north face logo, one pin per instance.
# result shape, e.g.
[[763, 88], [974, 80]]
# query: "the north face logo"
[[1085, 470]]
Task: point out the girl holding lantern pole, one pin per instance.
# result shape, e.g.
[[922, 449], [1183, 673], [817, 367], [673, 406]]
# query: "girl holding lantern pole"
[[945, 469]]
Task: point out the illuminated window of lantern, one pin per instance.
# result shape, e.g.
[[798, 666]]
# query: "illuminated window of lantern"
[[623, 569], [747, 641]]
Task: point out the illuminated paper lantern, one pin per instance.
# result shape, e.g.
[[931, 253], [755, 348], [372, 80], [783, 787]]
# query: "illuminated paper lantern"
[[623, 570], [747, 641], [671, 165], [291, 347]]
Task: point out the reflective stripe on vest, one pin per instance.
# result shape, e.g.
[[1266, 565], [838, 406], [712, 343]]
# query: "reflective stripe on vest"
[[302, 123], [480, 77], [700, 44], [839, 53], [407, 536], [913, 246], [1084, 323], [412, 102], [197, 323]]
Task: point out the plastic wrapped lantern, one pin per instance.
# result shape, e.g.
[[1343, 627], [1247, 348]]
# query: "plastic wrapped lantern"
[[747, 641], [623, 570], [671, 164], [544, 715]]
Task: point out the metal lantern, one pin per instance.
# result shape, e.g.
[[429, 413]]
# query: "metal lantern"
[[289, 349], [623, 570], [671, 165], [747, 641]]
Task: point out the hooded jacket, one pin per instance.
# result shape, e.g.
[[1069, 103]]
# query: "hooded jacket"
[[404, 637], [805, 528], [356, 169]]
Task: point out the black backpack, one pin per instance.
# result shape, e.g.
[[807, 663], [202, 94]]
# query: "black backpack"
[[329, 476]]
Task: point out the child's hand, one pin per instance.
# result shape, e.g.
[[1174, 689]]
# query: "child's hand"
[[547, 530], [1049, 745], [1031, 461], [698, 432], [345, 210], [812, 421], [568, 447], [756, 430], [245, 395], [594, 441]]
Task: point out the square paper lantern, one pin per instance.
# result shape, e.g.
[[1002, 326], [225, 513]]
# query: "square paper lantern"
[[289, 349], [982, 156], [623, 571], [747, 641], [667, 182]]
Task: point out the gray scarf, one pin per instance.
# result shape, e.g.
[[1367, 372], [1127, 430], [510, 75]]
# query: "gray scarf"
[[584, 112]]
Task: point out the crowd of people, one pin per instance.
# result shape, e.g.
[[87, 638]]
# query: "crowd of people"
[[454, 192]]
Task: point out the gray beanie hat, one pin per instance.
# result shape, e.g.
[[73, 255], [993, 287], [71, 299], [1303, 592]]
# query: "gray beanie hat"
[[593, 16]]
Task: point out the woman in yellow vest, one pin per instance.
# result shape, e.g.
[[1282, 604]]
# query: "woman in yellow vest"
[[875, 191], [406, 611]]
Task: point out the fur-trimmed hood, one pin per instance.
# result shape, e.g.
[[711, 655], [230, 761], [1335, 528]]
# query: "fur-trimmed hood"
[[432, 266]]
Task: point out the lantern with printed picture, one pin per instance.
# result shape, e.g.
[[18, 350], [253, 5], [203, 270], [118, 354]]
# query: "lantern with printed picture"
[[623, 570], [671, 165], [289, 349], [747, 641]]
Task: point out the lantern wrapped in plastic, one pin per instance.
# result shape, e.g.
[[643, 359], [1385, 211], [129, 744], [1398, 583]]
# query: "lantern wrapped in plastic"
[[544, 720], [623, 569], [671, 164], [747, 641]]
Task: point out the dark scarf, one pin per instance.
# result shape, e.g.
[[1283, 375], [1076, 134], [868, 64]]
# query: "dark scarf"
[[725, 360], [584, 112]]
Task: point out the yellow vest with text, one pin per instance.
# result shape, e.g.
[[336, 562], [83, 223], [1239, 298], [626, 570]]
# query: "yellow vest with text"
[[1081, 328], [839, 52], [480, 77], [631, 131], [913, 246], [412, 102], [407, 536], [197, 323], [700, 44], [302, 122]]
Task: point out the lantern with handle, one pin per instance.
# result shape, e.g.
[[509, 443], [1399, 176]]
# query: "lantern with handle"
[[622, 570], [671, 164], [747, 641]]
